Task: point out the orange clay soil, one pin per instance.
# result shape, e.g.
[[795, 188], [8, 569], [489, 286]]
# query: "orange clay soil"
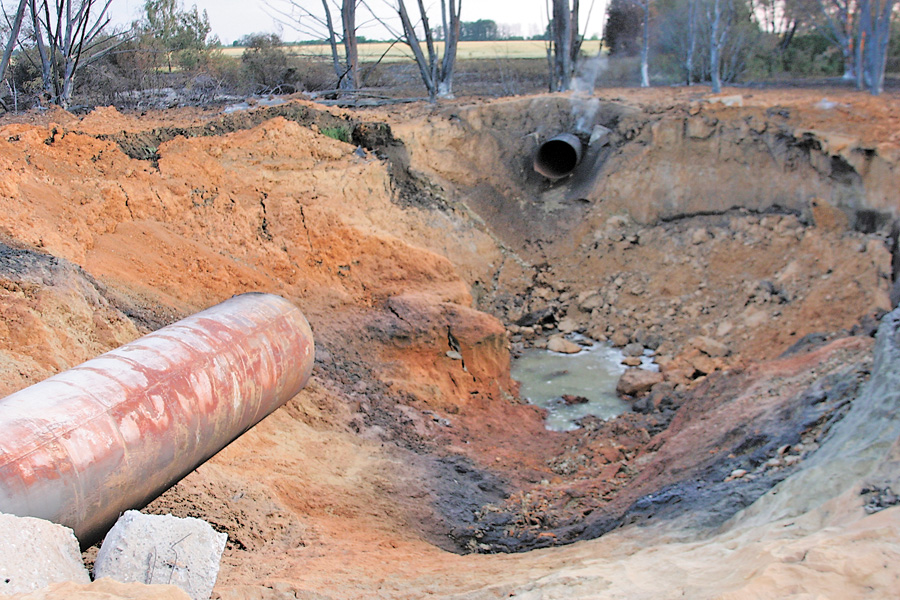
[[750, 246]]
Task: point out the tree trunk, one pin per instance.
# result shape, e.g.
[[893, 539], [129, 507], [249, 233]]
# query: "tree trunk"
[[43, 51], [563, 42], [645, 46], [862, 40], [332, 41], [351, 49], [847, 54], [412, 41], [62, 37], [879, 46], [575, 44], [692, 42], [429, 45], [840, 18], [715, 49], [13, 38], [451, 43]]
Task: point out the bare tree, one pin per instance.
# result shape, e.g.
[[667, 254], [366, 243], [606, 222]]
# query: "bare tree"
[[720, 21], [873, 38], [436, 70], [66, 34], [841, 17], [351, 49], [14, 29], [296, 15], [565, 43], [645, 42], [691, 42]]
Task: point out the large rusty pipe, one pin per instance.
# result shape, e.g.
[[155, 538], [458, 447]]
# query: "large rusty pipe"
[[558, 156], [115, 432]]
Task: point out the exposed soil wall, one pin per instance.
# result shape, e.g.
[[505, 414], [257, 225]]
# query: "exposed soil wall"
[[750, 247]]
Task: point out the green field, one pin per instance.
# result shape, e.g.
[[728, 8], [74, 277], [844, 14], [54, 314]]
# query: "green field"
[[371, 52]]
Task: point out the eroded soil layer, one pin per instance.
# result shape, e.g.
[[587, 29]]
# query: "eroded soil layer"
[[752, 248]]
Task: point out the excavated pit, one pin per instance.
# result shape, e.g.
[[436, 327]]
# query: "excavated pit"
[[752, 250]]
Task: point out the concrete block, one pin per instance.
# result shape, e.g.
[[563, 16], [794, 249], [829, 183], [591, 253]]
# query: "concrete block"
[[35, 553], [157, 549]]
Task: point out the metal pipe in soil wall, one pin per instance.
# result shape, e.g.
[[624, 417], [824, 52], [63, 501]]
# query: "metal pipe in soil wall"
[[558, 156]]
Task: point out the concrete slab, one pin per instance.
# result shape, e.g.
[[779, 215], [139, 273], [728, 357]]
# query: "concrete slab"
[[162, 549], [35, 553]]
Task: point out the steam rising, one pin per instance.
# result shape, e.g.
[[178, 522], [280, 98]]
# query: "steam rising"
[[584, 105]]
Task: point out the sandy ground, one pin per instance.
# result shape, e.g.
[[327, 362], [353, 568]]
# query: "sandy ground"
[[398, 457]]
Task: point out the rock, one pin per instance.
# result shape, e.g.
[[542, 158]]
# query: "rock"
[[35, 553], [643, 406], [700, 236], [662, 395], [538, 317], [737, 474], [701, 363], [699, 128], [666, 348], [735, 100], [618, 221], [679, 376], [590, 301], [633, 349], [162, 549], [709, 346], [632, 361], [560, 344], [634, 382], [570, 399], [648, 339], [828, 217], [724, 329], [754, 317], [567, 325], [619, 339]]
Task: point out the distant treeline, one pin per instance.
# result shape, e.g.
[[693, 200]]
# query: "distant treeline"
[[483, 30]]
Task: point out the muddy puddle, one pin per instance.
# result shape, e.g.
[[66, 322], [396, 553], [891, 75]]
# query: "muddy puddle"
[[573, 386]]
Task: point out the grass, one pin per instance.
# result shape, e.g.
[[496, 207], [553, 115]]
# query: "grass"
[[372, 52], [339, 133]]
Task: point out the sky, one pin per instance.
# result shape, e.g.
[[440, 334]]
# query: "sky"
[[232, 19]]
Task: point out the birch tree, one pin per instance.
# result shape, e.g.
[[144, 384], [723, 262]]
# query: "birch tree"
[[343, 43], [645, 42], [565, 43], [436, 69], [841, 17], [873, 38], [66, 35], [719, 18], [691, 42], [14, 30]]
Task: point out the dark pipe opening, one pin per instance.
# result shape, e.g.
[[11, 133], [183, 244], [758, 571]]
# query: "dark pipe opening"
[[558, 157]]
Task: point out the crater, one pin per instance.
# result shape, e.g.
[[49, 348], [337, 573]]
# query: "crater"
[[746, 250]]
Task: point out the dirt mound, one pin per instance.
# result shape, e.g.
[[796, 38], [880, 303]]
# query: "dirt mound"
[[752, 247]]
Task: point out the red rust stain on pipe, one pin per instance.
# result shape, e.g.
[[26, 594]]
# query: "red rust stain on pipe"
[[115, 432]]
